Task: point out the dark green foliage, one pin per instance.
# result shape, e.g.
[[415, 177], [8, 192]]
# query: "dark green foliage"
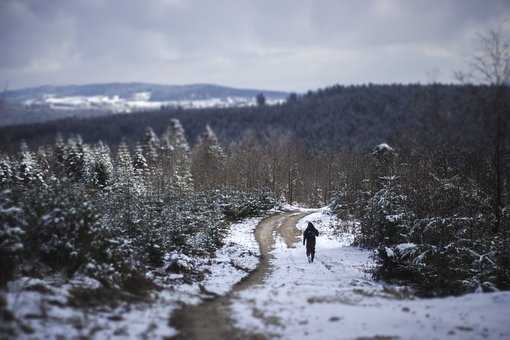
[[335, 118], [261, 99], [239, 205], [387, 217], [70, 228], [114, 221], [12, 225], [503, 263], [6, 171], [102, 296], [459, 267], [432, 233]]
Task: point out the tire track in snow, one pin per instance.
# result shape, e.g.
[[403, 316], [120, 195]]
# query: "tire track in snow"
[[211, 319]]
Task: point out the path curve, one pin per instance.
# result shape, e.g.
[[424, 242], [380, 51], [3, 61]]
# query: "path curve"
[[211, 319]]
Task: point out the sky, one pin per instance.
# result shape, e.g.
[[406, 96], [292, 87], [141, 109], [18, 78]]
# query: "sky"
[[292, 45]]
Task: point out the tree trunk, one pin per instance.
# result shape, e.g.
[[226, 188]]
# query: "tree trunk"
[[498, 207]]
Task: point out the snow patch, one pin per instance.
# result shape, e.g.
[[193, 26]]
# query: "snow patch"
[[137, 102], [44, 303], [236, 259]]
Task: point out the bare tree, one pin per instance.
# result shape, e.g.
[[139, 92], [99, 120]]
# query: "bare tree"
[[491, 65]]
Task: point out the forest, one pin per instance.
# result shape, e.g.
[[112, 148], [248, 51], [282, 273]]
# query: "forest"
[[434, 183], [335, 118]]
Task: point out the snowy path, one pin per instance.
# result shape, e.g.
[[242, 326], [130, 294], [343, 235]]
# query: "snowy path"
[[212, 319], [334, 298]]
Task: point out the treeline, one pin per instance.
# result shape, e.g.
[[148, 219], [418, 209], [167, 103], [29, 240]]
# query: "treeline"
[[337, 118]]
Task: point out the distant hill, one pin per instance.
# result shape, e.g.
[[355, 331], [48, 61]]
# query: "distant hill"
[[158, 92], [339, 117], [37, 104]]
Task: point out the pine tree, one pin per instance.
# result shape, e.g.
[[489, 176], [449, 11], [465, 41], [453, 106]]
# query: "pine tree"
[[43, 158], [140, 166], [101, 173], [78, 159], [59, 157], [177, 147], [208, 164], [124, 164], [151, 145], [28, 171], [388, 217], [6, 171]]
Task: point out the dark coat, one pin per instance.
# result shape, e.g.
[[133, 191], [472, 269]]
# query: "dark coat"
[[309, 235]]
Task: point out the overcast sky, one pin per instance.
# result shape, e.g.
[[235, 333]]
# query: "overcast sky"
[[268, 44]]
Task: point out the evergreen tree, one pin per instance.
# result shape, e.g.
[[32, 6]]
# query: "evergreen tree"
[[78, 159], [102, 168], [151, 145], [261, 99], [140, 166], [208, 161], [388, 218], [60, 156], [176, 143], [6, 171], [43, 157], [124, 164], [125, 174], [28, 171]]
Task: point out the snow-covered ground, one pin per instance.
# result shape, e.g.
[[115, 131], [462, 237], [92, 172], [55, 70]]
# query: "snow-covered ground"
[[43, 305], [334, 298], [236, 259], [43, 308], [139, 101]]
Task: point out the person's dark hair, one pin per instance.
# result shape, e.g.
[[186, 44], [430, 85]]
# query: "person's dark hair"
[[310, 224]]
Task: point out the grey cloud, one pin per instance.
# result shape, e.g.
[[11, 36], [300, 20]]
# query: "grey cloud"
[[291, 45]]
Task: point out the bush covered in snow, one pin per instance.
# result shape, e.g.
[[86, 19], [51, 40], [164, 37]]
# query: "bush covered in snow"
[[460, 267], [432, 232], [11, 237], [67, 227], [73, 208], [387, 217], [453, 252]]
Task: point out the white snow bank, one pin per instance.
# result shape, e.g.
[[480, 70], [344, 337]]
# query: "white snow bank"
[[42, 306], [405, 246], [332, 231], [383, 147], [292, 207], [236, 259]]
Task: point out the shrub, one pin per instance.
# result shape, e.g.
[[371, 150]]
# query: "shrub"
[[387, 219], [12, 227]]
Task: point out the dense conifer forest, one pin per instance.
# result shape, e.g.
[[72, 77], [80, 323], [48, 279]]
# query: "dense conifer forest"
[[334, 118]]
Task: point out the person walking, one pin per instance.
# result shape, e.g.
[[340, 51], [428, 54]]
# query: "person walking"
[[309, 236]]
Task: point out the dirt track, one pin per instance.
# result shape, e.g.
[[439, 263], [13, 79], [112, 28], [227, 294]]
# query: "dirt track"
[[211, 319]]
